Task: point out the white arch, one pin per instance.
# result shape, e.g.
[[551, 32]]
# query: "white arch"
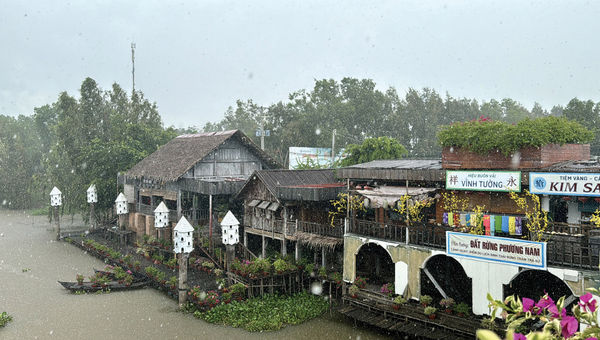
[[381, 244]]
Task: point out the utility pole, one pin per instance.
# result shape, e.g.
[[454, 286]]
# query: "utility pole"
[[133, 67], [333, 148], [262, 135]]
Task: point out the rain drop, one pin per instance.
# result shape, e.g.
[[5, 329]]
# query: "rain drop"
[[316, 288]]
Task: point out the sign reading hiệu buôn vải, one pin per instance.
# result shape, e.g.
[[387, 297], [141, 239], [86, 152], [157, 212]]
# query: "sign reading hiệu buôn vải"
[[483, 180], [567, 184], [522, 253]]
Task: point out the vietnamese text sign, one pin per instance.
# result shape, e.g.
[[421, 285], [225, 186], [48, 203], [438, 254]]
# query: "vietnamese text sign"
[[517, 252], [555, 183], [483, 180]]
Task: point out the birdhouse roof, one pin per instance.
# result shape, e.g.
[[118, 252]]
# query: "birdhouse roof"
[[55, 191], [92, 188], [229, 219], [183, 226], [162, 208], [121, 198]]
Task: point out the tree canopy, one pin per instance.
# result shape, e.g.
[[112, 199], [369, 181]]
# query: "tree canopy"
[[372, 149]]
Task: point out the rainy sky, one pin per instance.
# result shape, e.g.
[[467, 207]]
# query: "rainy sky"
[[196, 58]]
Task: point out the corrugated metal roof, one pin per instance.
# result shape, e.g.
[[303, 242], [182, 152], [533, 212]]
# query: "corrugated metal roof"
[[400, 164]]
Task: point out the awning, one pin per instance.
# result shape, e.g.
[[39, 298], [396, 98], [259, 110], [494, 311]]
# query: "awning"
[[253, 203], [264, 205], [383, 197], [274, 206]]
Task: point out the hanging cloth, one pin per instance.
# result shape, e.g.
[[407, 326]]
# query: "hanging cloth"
[[498, 224], [468, 219], [492, 225], [518, 226], [511, 225], [456, 219], [463, 219], [486, 224], [505, 224], [445, 218], [450, 219]]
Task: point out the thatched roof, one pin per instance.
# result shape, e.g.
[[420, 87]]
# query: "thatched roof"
[[174, 159], [318, 241], [308, 185]]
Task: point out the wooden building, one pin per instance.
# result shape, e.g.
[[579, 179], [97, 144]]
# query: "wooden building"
[[192, 174], [292, 206]]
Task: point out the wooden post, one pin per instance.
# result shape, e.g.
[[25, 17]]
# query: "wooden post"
[[183, 262], [92, 221], [283, 246], [245, 239], [57, 220], [210, 225], [179, 206], [229, 256], [298, 251], [323, 257], [264, 247]]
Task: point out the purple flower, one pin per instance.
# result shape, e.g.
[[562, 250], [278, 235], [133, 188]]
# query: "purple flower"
[[569, 326], [528, 305], [554, 311], [587, 301], [519, 336], [545, 302]]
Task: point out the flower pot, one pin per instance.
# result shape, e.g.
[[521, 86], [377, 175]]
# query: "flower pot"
[[448, 311], [396, 307], [431, 316]]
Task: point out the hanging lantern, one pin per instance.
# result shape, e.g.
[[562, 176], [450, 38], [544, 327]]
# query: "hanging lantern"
[[230, 229], [121, 204], [92, 197], [183, 237], [55, 197], [161, 216]]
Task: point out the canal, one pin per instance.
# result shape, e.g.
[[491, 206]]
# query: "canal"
[[31, 263]]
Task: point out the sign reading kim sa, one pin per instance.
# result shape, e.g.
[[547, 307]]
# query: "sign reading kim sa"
[[511, 251], [560, 183]]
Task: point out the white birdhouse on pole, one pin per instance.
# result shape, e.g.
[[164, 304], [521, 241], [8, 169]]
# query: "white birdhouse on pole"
[[183, 237], [121, 204], [55, 197], [230, 234], [92, 196], [161, 216]]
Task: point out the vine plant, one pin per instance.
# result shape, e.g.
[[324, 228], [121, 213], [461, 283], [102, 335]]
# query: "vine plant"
[[340, 205], [415, 207], [537, 218]]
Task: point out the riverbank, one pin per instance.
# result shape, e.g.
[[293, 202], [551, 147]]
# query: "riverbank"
[[42, 309]]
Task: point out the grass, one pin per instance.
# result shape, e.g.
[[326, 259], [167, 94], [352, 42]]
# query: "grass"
[[4, 319], [268, 313], [39, 211]]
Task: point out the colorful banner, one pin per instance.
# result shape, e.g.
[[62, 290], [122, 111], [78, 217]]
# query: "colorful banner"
[[516, 252], [483, 180], [564, 184]]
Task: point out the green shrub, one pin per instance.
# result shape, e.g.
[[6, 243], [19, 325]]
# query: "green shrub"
[[483, 136], [426, 299], [462, 308], [4, 319], [430, 310], [353, 290], [399, 300]]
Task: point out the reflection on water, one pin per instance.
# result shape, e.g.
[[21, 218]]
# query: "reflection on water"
[[31, 263]]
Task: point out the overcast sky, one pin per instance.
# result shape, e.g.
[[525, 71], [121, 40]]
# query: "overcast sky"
[[196, 58]]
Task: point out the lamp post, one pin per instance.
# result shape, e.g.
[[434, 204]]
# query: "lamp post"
[[122, 210], [161, 218], [56, 201], [230, 236], [183, 244], [92, 198]]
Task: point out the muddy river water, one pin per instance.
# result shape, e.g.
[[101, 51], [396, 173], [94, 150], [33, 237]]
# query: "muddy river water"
[[31, 263]]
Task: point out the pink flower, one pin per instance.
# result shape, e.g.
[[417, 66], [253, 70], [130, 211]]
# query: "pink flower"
[[545, 302], [569, 326], [587, 301], [519, 336], [528, 305]]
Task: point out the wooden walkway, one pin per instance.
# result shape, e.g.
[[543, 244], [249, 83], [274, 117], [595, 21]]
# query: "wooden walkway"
[[408, 320]]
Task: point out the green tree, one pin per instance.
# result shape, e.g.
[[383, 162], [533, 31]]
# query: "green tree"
[[372, 149]]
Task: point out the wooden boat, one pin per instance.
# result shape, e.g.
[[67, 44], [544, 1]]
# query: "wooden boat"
[[112, 286]]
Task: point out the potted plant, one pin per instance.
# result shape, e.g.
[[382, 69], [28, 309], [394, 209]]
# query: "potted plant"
[[337, 278], [447, 304], [79, 279], [353, 291], [387, 289], [461, 309], [172, 282], [280, 266], [322, 272], [430, 312], [128, 280], [361, 282], [398, 301], [137, 265], [426, 300], [309, 268]]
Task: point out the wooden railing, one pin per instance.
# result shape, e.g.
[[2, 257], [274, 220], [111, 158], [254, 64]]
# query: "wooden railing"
[[336, 231]]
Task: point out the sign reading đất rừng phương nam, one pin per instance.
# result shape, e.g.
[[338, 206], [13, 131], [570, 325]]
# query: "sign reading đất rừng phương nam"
[[564, 184], [483, 180], [522, 253]]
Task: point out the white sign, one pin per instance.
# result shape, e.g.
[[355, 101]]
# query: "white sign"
[[512, 251], [483, 180], [316, 156], [573, 184]]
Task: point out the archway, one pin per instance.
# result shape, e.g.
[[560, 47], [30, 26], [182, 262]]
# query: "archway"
[[443, 276], [374, 263], [533, 284]]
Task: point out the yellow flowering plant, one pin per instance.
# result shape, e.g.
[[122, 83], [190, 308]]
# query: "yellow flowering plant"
[[530, 205], [595, 218], [340, 205], [415, 207]]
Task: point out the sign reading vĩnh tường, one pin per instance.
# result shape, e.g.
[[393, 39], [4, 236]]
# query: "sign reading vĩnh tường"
[[483, 180], [573, 184], [511, 251]]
